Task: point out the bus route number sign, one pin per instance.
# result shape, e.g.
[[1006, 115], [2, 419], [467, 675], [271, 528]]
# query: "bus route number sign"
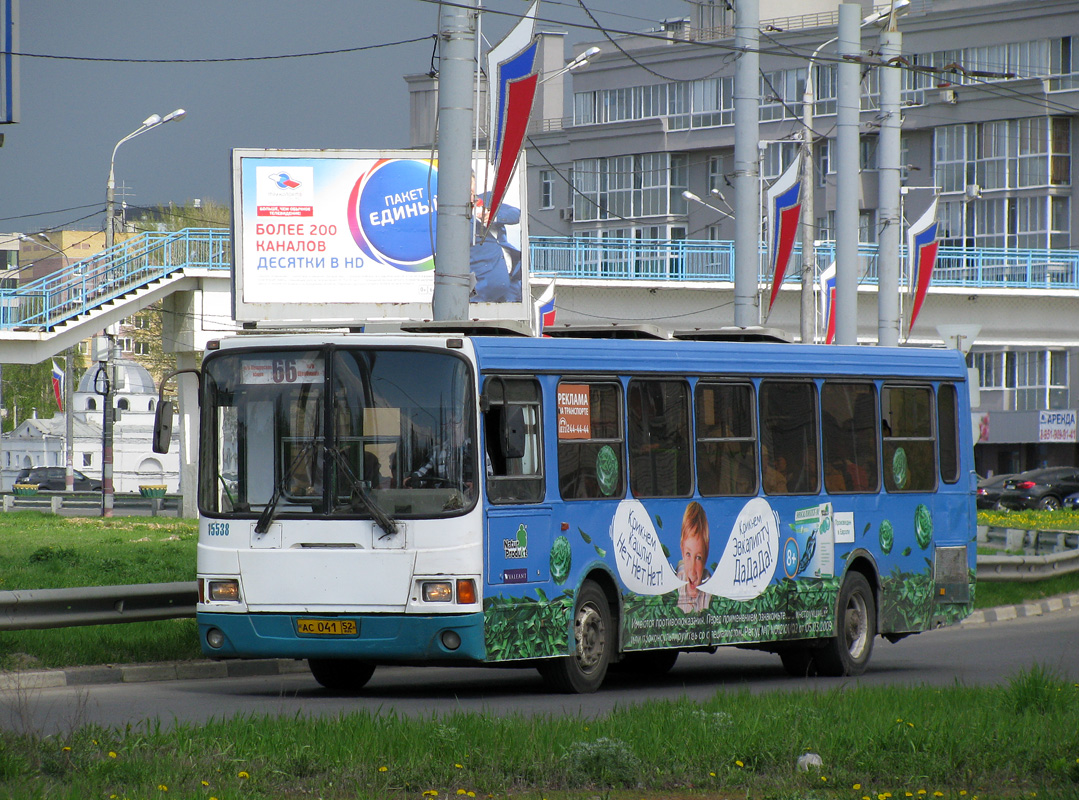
[[284, 370], [327, 627]]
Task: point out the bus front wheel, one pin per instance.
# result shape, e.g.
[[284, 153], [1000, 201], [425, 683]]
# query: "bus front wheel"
[[341, 674], [847, 653], [593, 642]]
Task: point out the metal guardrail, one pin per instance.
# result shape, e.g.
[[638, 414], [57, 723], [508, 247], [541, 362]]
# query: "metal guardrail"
[[1064, 559], [37, 609]]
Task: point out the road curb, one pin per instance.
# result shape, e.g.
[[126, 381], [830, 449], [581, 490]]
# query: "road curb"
[[145, 673], [1049, 605], [205, 670]]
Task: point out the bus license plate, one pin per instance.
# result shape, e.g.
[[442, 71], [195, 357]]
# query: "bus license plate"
[[327, 627]]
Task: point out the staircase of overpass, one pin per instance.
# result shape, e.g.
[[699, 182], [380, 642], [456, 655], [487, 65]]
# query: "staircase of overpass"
[[42, 317]]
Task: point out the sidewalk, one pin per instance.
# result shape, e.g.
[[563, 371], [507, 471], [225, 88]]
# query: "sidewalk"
[[205, 669]]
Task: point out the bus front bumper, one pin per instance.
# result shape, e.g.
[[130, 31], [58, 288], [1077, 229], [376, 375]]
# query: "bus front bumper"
[[371, 637]]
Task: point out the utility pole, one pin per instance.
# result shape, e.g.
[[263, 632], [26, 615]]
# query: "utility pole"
[[747, 189], [453, 231], [889, 154], [848, 112]]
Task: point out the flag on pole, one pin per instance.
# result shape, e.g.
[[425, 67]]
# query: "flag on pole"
[[922, 252], [544, 307], [827, 302], [784, 208], [58, 385], [512, 83]]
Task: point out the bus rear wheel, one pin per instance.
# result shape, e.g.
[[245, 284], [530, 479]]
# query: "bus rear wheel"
[[341, 674], [593, 643], [848, 652]]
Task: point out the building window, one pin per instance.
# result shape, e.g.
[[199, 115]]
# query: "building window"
[[88, 459], [546, 180], [1023, 380], [142, 348], [627, 187]]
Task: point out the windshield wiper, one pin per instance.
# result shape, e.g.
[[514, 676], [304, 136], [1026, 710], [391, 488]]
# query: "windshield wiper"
[[384, 520], [267, 515]]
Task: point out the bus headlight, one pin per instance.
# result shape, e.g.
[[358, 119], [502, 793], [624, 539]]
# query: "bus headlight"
[[227, 591], [438, 592]]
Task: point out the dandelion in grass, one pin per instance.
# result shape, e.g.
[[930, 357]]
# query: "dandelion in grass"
[[162, 787], [712, 774], [242, 775], [739, 764], [112, 754], [66, 749], [460, 791], [856, 786], [459, 766], [430, 793], [383, 769]]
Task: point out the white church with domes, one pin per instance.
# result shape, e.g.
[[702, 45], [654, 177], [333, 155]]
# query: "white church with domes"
[[41, 442]]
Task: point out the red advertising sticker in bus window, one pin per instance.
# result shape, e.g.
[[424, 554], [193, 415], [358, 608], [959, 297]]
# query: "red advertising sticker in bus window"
[[574, 412]]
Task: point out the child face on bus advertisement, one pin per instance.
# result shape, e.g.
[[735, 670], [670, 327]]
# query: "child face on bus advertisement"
[[694, 547]]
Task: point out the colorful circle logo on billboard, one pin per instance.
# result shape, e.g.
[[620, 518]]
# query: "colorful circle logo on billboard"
[[391, 213]]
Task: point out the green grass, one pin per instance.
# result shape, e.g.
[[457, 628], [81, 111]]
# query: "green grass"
[[1011, 741], [45, 551]]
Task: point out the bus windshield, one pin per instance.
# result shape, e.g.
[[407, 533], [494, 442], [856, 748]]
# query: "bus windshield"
[[334, 432]]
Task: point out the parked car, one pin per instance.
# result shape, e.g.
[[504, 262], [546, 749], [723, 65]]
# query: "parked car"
[[52, 479], [1040, 488], [989, 489], [1071, 502]]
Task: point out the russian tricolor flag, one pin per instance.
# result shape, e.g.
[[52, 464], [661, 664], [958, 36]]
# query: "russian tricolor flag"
[[784, 210], [922, 252], [827, 302], [511, 83], [58, 385], [544, 308]]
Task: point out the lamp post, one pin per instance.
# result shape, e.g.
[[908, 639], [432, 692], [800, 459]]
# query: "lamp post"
[[108, 416], [809, 232], [694, 198], [149, 123], [69, 425]]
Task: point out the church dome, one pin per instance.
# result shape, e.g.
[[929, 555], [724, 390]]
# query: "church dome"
[[136, 378]]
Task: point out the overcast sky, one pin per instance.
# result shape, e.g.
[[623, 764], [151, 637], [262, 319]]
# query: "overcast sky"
[[74, 111]]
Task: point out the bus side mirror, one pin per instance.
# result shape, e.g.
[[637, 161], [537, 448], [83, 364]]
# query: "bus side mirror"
[[513, 432], [163, 426]]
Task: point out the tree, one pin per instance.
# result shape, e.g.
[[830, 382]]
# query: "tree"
[[27, 387]]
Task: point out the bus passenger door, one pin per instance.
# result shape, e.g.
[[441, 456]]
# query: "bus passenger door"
[[518, 523]]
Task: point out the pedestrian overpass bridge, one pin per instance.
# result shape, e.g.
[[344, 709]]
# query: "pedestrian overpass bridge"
[[1020, 298]]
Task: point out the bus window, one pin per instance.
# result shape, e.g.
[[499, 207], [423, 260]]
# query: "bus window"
[[948, 432], [909, 449], [726, 442], [849, 435], [659, 460], [789, 452], [590, 449], [512, 478]]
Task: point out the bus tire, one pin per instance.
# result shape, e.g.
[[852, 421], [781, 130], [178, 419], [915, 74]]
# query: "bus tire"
[[593, 644], [646, 663], [341, 674], [848, 652]]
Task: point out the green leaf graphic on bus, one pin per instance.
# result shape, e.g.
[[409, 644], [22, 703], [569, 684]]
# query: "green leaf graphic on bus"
[[887, 537], [923, 526], [561, 557], [899, 468], [607, 470], [585, 536]]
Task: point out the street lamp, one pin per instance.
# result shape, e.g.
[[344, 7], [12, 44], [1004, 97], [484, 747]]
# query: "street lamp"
[[149, 123], [108, 414], [69, 424], [808, 221], [690, 196]]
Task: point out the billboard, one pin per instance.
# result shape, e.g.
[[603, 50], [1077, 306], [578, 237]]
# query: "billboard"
[[343, 237]]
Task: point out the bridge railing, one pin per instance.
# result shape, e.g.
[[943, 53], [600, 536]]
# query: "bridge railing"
[[692, 260], [84, 285]]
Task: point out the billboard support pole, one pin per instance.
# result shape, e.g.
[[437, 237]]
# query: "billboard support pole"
[[453, 217]]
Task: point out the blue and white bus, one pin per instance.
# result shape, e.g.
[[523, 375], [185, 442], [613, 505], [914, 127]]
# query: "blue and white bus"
[[577, 504]]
